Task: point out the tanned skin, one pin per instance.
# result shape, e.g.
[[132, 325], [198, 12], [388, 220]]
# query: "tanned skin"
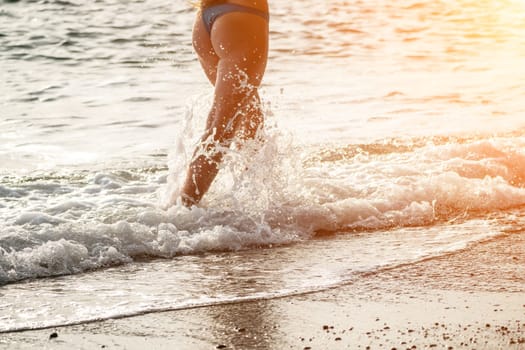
[[234, 59]]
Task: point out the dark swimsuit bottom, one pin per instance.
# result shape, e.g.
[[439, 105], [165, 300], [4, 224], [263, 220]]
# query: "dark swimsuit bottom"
[[210, 14]]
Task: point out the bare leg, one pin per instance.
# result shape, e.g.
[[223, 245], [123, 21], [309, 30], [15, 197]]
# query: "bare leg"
[[229, 114], [241, 61], [251, 118]]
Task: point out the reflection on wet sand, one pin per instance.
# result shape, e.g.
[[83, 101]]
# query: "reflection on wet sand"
[[240, 325]]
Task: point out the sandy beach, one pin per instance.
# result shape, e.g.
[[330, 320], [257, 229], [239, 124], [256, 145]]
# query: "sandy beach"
[[472, 299]]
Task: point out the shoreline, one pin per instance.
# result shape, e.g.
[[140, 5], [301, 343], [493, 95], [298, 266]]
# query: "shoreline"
[[473, 299]]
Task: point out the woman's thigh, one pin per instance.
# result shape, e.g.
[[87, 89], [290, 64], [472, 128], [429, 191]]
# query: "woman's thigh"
[[204, 49]]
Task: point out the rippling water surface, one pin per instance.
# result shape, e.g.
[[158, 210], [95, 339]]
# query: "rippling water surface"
[[395, 132]]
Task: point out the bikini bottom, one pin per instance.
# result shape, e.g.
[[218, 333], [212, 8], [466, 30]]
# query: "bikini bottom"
[[210, 14]]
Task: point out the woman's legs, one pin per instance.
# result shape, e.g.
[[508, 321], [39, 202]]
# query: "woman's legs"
[[239, 46]]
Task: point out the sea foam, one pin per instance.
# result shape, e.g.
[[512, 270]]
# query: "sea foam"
[[268, 193]]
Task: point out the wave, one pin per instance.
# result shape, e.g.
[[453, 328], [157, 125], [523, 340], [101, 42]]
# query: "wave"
[[270, 193]]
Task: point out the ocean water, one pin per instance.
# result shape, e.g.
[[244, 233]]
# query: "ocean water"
[[395, 133]]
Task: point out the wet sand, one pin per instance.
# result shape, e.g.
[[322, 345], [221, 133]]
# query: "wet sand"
[[473, 299]]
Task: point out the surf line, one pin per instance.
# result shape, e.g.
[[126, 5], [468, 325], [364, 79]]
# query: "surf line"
[[233, 301], [275, 296]]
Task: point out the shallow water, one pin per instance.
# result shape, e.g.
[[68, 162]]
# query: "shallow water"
[[395, 133]]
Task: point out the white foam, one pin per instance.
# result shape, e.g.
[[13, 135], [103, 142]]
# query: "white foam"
[[269, 193], [35, 218]]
